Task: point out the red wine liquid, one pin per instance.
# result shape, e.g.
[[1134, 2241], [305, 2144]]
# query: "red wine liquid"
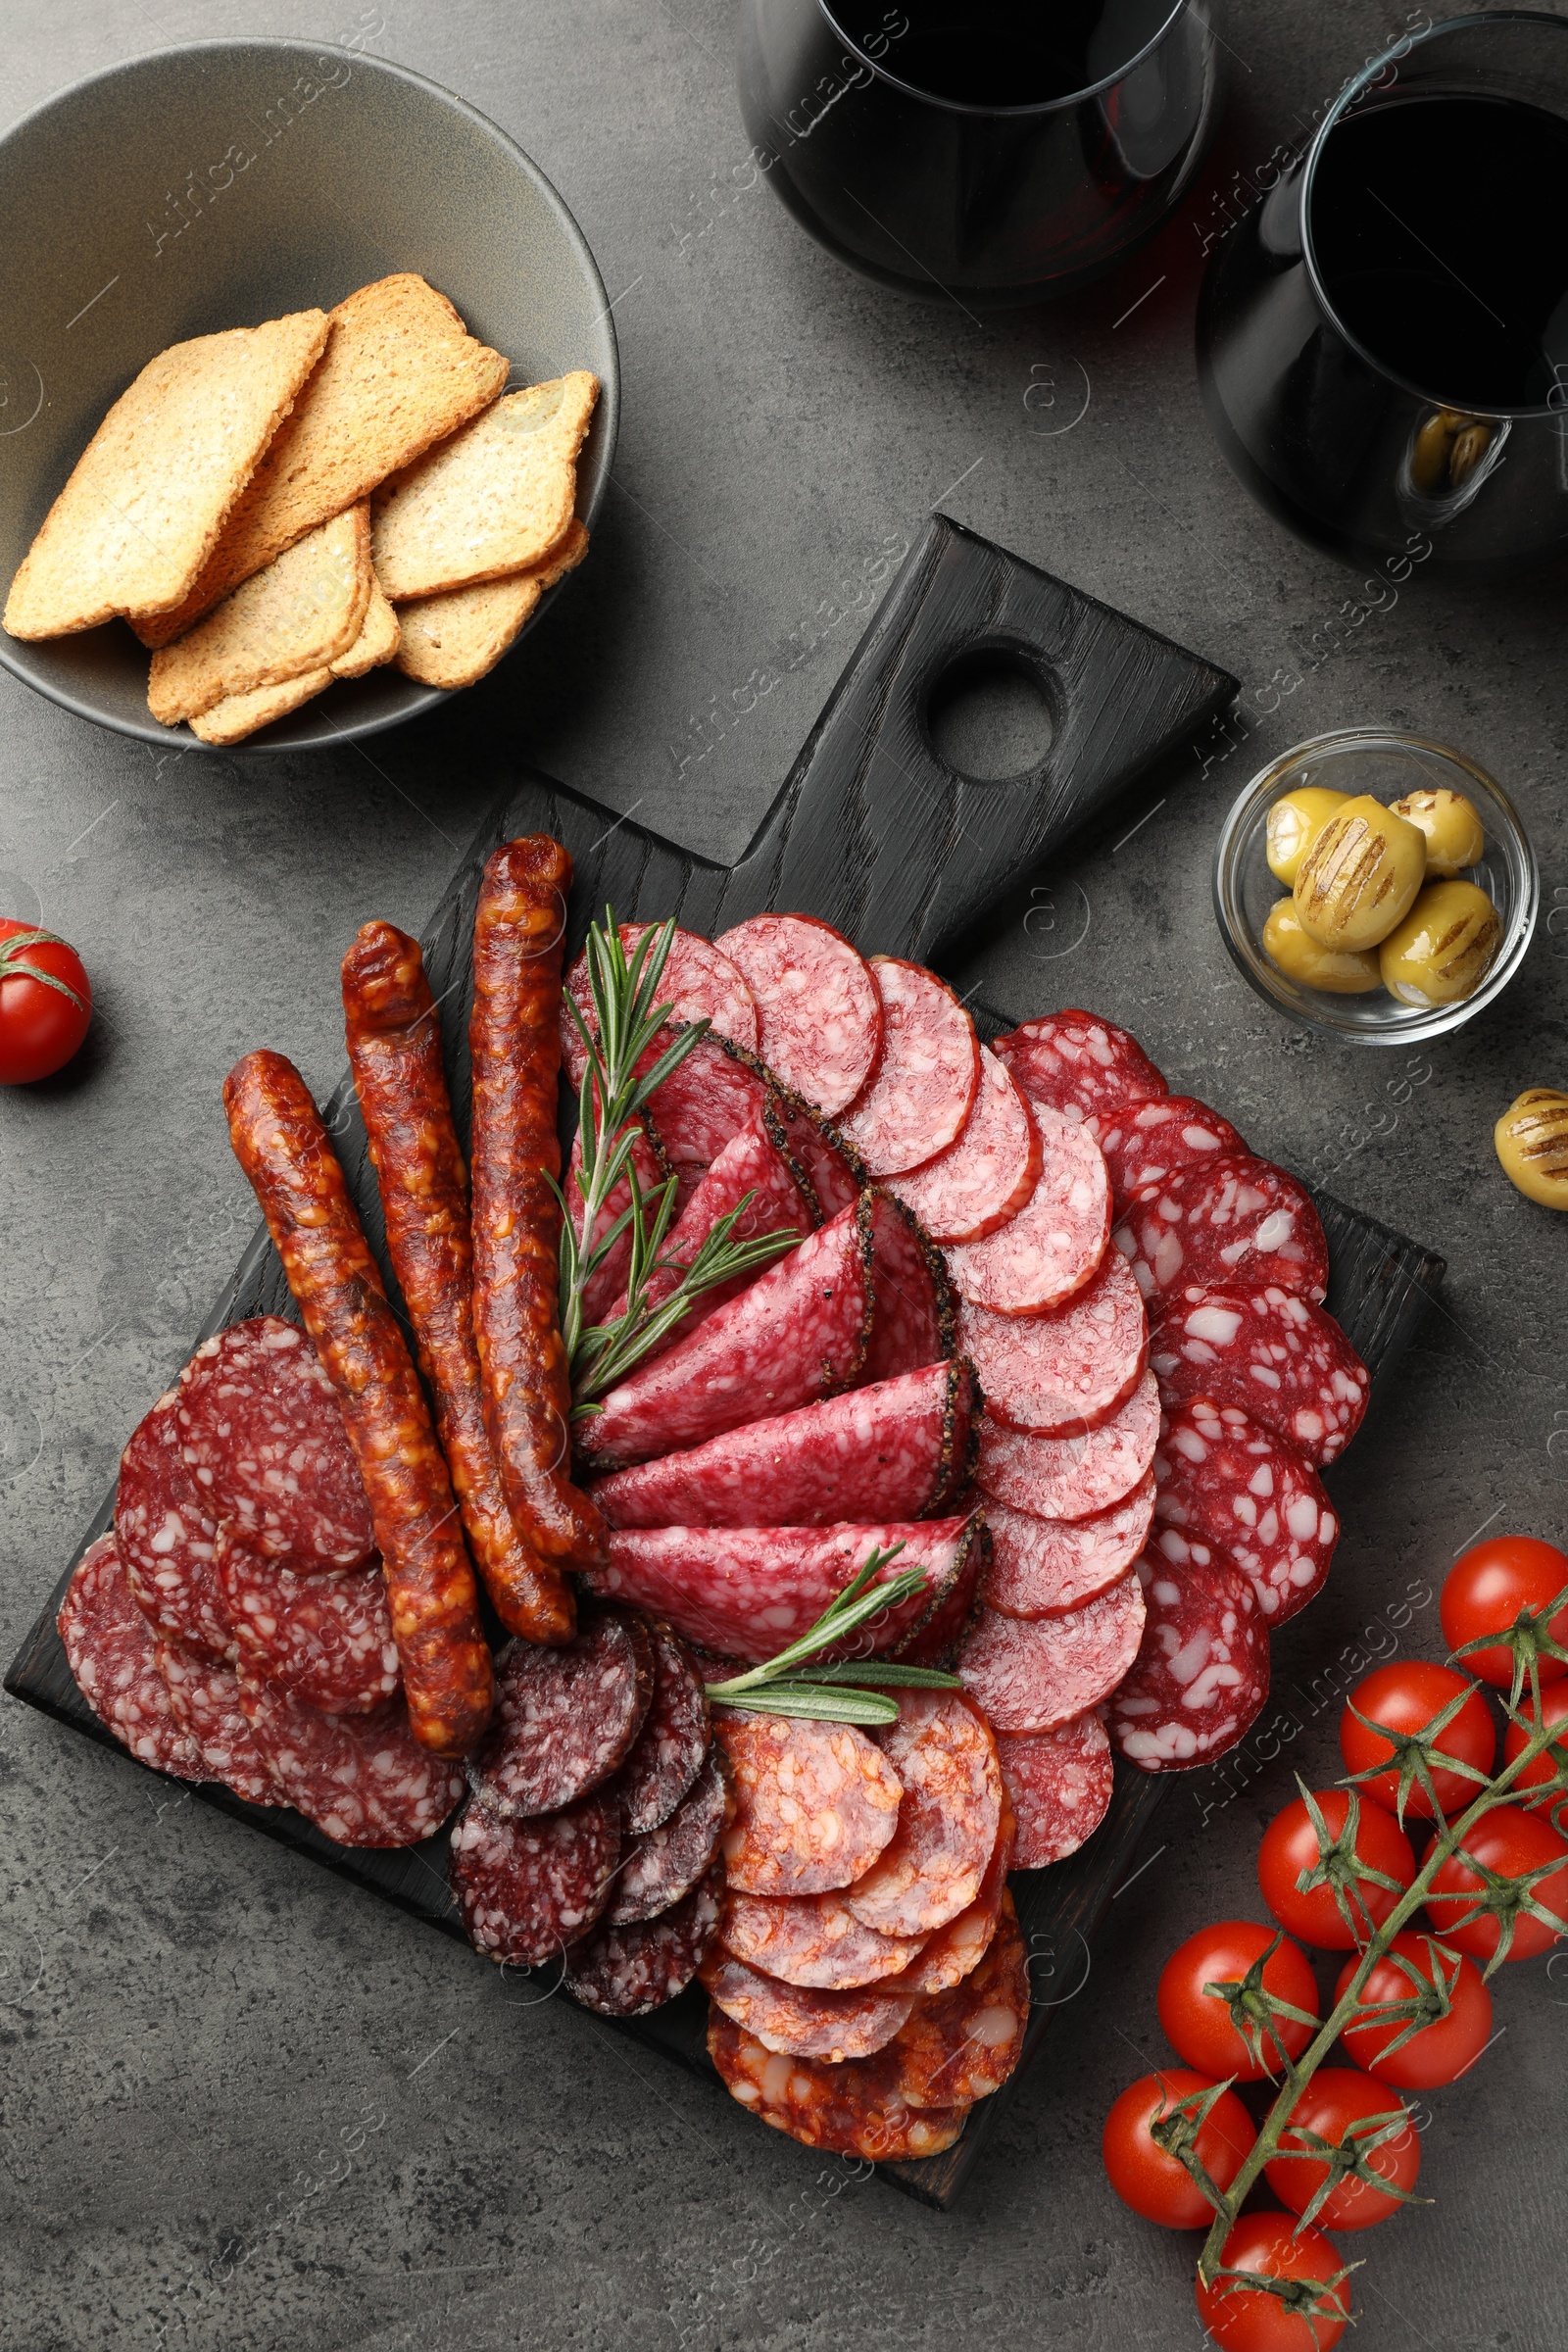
[[1440, 227], [1000, 53]]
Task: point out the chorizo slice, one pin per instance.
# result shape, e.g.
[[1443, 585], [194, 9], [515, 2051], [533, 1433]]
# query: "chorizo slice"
[[851, 2109], [962, 2046], [811, 1939], [816, 1804], [948, 1955], [797, 2020], [931, 1869]]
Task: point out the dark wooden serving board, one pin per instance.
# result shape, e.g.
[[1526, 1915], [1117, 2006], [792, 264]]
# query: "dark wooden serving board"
[[873, 832]]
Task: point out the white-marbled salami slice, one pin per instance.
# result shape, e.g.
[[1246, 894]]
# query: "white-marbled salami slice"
[[984, 1180], [1030, 1673], [1059, 1374], [920, 1095], [1278, 1356], [1052, 1248], [819, 1011], [1235, 1223], [1044, 1567], [1201, 1673], [699, 983], [113, 1652], [205, 1698], [363, 1779], [527, 1890], [167, 1539], [327, 1639], [1145, 1142], [1074, 1477], [1074, 1063], [1223, 1477]]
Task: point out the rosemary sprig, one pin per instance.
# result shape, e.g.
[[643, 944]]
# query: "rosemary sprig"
[[830, 1694]]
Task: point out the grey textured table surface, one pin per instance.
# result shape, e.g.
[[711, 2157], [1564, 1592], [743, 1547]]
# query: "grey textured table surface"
[[243, 2106]]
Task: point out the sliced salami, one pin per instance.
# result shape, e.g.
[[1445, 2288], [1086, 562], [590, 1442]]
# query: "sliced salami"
[[363, 1779], [564, 1719], [816, 1804], [658, 1870], [169, 1540], [817, 1004], [913, 1317], [847, 2109], [527, 1890], [669, 1750], [605, 1286], [1030, 1673], [942, 1750], [796, 1335], [962, 2046], [983, 1180], [919, 1096], [835, 1173], [113, 1652], [327, 1639], [799, 2021], [627, 1970], [1052, 1248], [1056, 1375], [935, 1637], [710, 1097], [1201, 1674], [1236, 1223], [1044, 1567], [748, 1592], [812, 1939], [1278, 1356], [1076, 1063], [1226, 1480], [1073, 1477], [751, 1171], [893, 1450], [1060, 1782], [205, 1698], [953, 1950], [1146, 1143], [699, 983]]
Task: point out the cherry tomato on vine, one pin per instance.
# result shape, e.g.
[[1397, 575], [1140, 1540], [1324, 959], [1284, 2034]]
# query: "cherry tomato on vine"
[[1516, 1739], [1407, 1695], [1336, 2098], [1249, 2318], [1198, 2024], [1157, 2185], [45, 1002], [1484, 1592], [1438, 2053], [1290, 1847], [1509, 1841]]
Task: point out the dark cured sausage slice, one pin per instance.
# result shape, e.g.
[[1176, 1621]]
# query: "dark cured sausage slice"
[[264, 1434], [566, 1719], [1201, 1674], [626, 1971], [528, 1890], [1078, 1064], [327, 1639], [820, 1013], [953, 1950], [850, 2110], [658, 1870], [812, 1939], [1060, 1783], [1238, 1222], [205, 1699], [896, 1449], [670, 1749], [1056, 1375], [699, 983], [816, 1804], [285, 1148], [1144, 1143], [1049, 1251], [963, 2044], [1072, 1477], [920, 1095], [1276, 1355], [363, 1779], [169, 1540], [113, 1652], [1042, 1567], [797, 1334], [1226, 1480], [942, 1750], [1031, 1674], [983, 1180], [801, 2022]]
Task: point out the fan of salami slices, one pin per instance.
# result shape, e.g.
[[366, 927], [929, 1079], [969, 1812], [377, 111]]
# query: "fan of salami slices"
[[1046, 1334]]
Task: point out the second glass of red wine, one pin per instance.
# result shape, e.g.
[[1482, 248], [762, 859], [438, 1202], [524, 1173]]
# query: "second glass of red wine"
[[1383, 342], [988, 152]]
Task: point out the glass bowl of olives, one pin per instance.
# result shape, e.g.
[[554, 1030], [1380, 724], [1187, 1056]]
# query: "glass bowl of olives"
[[1375, 885]]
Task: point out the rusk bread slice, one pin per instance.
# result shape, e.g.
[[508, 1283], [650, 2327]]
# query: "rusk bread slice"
[[453, 640], [299, 615], [492, 501], [376, 642], [150, 493], [242, 714], [400, 373]]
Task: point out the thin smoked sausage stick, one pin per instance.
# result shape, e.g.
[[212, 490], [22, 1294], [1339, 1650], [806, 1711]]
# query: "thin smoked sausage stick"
[[515, 1046], [395, 1047], [282, 1143]]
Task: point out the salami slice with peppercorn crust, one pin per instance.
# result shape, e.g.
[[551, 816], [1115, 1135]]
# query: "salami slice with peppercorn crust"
[[1060, 1785], [818, 1005], [983, 1180], [1226, 1480], [815, 1803], [327, 1639], [1078, 1064], [850, 2110], [1201, 1672], [528, 1890], [707, 1099], [1077, 1476], [920, 1095], [1048, 1252], [1031, 1674], [1147, 1142], [626, 1971], [1044, 1567], [912, 1313], [832, 1170], [1238, 1222], [113, 1652], [1056, 1375], [1278, 1356], [566, 1719], [167, 1537], [608, 1282]]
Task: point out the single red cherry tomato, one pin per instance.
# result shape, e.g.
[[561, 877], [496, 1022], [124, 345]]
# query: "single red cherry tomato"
[[1249, 2318], [1509, 1841], [45, 1002], [1157, 2185], [1406, 1696], [1290, 1849], [1198, 2024], [1437, 2053], [1516, 1739], [1336, 2098], [1484, 1592]]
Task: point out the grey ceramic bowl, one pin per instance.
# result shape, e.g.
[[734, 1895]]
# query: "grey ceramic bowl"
[[231, 182]]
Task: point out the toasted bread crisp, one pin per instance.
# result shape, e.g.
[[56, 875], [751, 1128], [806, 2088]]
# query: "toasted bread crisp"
[[150, 493], [242, 714], [400, 372], [492, 501], [453, 640], [299, 615], [376, 642]]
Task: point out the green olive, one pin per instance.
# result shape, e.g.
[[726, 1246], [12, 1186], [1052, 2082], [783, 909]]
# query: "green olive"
[[1455, 838], [1441, 953], [1295, 822], [1342, 971], [1532, 1139], [1360, 876], [1429, 460]]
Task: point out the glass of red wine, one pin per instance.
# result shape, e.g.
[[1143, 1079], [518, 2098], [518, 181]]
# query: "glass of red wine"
[[989, 152], [1383, 341]]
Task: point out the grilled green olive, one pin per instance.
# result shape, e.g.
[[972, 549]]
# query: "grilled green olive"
[[1360, 876], [1455, 838], [1441, 952], [1295, 822], [1532, 1139], [1342, 971]]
